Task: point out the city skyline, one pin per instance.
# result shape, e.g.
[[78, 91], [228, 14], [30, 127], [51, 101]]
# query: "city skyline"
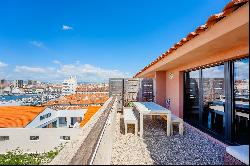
[[87, 39]]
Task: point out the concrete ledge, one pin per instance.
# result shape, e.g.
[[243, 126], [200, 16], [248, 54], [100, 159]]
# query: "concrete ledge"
[[73, 148]]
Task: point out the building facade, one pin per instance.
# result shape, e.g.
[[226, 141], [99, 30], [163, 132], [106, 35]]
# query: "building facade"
[[206, 75], [18, 83], [69, 86]]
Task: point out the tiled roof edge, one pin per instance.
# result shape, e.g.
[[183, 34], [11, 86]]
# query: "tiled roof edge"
[[228, 9]]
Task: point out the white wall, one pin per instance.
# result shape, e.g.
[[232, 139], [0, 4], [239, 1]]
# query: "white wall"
[[106, 142], [48, 138], [54, 116]]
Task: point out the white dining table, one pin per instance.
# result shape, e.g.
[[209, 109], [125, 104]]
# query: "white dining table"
[[151, 108]]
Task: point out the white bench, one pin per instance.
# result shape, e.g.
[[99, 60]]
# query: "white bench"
[[175, 121], [130, 118], [241, 153]]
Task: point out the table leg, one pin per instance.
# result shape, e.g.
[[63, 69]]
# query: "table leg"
[[141, 125], [168, 124], [136, 128]]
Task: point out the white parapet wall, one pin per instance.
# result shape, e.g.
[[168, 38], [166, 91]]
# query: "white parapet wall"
[[104, 149], [74, 153], [49, 138]]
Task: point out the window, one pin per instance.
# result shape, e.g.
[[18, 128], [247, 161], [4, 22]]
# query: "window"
[[75, 119], [4, 138], [45, 116], [62, 121], [216, 100], [34, 138], [192, 97], [213, 99], [65, 138], [205, 99], [241, 101]]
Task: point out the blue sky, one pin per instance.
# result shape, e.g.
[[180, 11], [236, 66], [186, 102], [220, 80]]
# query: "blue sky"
[[48, 40]]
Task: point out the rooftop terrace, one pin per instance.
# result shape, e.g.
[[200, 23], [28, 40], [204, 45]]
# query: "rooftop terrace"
[[103, 141], [158, 149]]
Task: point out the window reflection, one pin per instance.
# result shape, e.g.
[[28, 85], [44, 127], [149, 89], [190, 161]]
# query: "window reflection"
[[241, 100], [214, 99], [192, 97]]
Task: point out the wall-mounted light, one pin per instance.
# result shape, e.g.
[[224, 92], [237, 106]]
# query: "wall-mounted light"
[[171, 76]]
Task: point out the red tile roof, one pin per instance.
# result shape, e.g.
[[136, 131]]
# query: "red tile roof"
[[228, 9], [18, 116], [91, 112], [80, 99]]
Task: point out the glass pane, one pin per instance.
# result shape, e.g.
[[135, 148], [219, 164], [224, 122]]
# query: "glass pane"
[[192, 97], [214, 99], [241, 101]]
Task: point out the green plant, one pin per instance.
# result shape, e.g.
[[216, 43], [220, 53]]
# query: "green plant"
[[18, 157], [130, 104]]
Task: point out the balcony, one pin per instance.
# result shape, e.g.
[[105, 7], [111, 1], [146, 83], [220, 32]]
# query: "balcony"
[[103, 141]]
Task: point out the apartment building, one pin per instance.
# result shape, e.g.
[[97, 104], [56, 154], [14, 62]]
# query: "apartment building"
[[69, 86]]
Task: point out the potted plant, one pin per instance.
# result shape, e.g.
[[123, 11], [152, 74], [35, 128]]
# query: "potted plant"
[[130, 105]]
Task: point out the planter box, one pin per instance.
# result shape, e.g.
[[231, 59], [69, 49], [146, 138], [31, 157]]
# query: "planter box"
[[128, 108]]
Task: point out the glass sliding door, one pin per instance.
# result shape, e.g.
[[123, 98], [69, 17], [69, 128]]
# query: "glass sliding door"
[[213, 113], [241, 101], [216, 100], [192, 97]]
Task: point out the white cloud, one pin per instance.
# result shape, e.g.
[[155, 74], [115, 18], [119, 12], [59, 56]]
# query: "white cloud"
[[57, 62], [66, 28], [84, 72], [2, 65], [27, 69], [214, 72], [242, 70], [87, 72], [38, 44]]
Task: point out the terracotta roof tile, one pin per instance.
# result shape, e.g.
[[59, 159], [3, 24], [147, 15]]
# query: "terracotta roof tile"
[[91, 112], [18, 116], [228, 9], [214, 19]]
